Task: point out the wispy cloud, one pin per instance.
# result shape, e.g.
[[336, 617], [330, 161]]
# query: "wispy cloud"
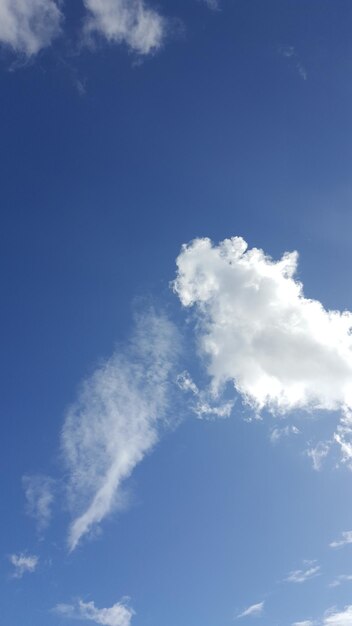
[[39, 492], [256, 328], [346, 538], [204, 406], [306, 622], [23, 563], [141, 28], [302, 575], [342, 578], [252, 611], [289, 52], [343, 436], [212, 4], [120, 614], [285, 431], [115, 421], [27, 26], [318, 453]]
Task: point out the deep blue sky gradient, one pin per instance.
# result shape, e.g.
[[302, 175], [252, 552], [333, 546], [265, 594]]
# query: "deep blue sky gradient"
[[217, 135]]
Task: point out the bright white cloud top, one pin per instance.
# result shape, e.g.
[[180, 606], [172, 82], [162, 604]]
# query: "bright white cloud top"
[[335, 618], [115, 421], [27, 26], [131, 22], [120, 614], [252, 611], [281, 350], [23, 563]]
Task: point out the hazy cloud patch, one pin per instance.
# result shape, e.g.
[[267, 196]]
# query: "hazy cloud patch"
[[115, 421], [23, 563], [120, 614], [39, 493], [130, 22], [27, 26]]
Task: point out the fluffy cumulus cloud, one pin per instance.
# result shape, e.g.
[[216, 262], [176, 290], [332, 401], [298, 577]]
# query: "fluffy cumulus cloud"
[[252, 611], [120, 614], [23, 563], [131, 22], [115, 421], [332, 617], [339, 618], [39, 492], [27, 26], [281, 350]]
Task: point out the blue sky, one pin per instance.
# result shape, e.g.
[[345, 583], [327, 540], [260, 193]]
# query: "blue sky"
[[176, 433]]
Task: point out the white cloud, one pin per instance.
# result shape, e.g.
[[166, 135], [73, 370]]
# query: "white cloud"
[[290, 53], [306, 622], [341, 579], [186, 383], [40, 497], [302, 575], [281, 350], [202, 407], [23, 563], [343, 437], [212, 4], [205, 410], [319, 453], [27, 26], [343, 618], [277, 433], [253, 611], [131, 22], [120, 614], [114, 422], [346, 538]]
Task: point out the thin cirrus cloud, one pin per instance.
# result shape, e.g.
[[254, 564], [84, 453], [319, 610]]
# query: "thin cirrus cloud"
[[39, 493], [115, 421], [120, 614], [302, 575], [342, 578], [23, 563], [252, 611], [28, 26]]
